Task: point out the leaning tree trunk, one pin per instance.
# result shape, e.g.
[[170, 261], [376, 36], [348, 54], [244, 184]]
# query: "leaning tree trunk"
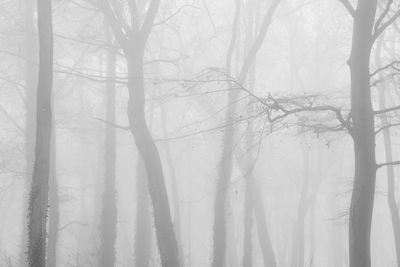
[[134, 46], [174, 187], [167, 244], [108, 225], [363, 135], [38, 201]]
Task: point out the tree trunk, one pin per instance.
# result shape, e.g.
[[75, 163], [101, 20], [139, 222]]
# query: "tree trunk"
[[363, 134], [167, 244], [248, 223], [54, 208], [108, 223], [298, 230], [30, 122], [174, 187], [225, 167], [38, 201], [143, 218]]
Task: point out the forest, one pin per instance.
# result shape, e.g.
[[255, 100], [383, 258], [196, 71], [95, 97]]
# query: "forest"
[[192, 133]]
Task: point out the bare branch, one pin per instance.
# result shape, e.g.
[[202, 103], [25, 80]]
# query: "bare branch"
[[258, 41], [386, 127], [10, 118], [286, 113], [149, 20], [348, 6], [387, 164], [383, 15], [386, 110], [113, 124], [390, 65], [172, 15], [134, 15], [389, 22], [114, 24]]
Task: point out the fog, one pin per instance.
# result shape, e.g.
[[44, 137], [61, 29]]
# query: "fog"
[[193, 133]]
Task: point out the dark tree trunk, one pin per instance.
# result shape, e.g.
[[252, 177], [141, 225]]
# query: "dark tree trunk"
[[143, 218], [108, 223], [54, 209], [363, 134], [30, 123], [134, 46], [38, 201]]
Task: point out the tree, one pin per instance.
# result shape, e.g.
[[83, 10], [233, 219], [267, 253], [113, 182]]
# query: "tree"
[[365, 32], [30, 128], [133, 42], [225, 167], [108, 224], [38, 201]]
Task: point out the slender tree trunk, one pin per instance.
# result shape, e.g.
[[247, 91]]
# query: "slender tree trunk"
[[147, 149], [30, 122], [363, 134], [262, 229], [248, 194], [174, 187], [143, 218], [38, 201], [225, 167], [109, 214], [387, 141], [391, 196], [54, 209], [248, 224], [298, 230], [134, 46]]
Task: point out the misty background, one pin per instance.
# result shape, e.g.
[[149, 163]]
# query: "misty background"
[[199, 133]]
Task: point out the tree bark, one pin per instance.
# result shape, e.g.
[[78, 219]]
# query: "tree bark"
[[174, 188], [133, 44], [143, 218], [30, 122], [137, 122], [363, 135], [38, 201], [109, 214], [54, 209]]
